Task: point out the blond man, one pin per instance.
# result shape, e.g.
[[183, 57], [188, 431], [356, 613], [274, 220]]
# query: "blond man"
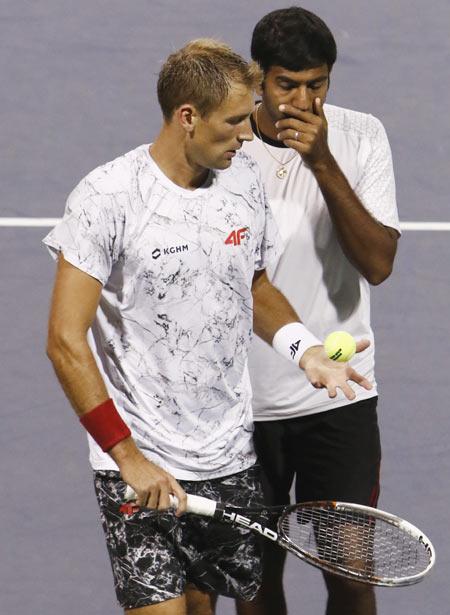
[[161, 254]]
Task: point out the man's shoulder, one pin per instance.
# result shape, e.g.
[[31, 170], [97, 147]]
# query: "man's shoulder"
[[353, 123], [116, 175], [109, 185]]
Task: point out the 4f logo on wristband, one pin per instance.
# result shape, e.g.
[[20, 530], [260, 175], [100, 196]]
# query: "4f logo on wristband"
[[294, 348]]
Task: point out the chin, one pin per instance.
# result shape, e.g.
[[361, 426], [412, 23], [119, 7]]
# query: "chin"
[[222, 165]]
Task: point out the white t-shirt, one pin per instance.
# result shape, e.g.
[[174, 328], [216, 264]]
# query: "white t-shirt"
[[326, 290], [174, 324]]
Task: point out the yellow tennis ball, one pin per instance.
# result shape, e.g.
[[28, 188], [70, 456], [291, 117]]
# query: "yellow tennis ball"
[[340, 346]]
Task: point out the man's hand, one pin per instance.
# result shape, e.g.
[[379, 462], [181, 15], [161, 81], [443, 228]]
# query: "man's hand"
[[323, 373], [306, 133], [152, 484]]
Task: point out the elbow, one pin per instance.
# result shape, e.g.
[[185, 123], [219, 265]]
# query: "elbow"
[[382, 264], [52, 345], [375, 280], [379, 275], [55, 346], [60, 343]]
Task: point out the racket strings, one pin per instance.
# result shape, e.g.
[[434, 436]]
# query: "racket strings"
[[366, 545]]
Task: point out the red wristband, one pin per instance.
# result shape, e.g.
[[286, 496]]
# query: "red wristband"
[[105, 425]]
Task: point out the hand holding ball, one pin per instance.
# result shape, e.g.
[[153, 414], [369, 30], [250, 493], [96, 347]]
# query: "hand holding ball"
[[340, 346]]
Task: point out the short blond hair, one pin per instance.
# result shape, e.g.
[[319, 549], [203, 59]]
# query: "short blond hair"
[[202, 73]]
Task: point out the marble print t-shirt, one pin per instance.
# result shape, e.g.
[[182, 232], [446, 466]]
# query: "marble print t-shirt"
[[174, 323]]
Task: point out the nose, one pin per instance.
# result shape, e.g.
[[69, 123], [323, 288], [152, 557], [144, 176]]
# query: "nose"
[[301, 98]]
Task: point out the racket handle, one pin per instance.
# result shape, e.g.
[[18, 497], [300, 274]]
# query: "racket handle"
[[196, 504], [199, 505]]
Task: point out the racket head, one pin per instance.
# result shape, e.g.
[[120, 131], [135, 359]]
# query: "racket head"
[[358, 542]]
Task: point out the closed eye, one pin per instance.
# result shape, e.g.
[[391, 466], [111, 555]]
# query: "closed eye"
[[234, 121]]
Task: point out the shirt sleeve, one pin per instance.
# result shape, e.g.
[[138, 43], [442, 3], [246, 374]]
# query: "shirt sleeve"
[[376, 184], [90, 233]]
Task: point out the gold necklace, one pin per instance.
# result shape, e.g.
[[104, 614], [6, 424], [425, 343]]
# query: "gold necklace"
[[282, 171]]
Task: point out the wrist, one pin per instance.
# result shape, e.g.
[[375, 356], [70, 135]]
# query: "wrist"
[[293, 340], [324, 165], [125, 451], [105, 425]]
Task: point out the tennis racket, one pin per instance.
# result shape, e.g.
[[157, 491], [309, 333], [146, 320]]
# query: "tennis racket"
[[357, 542]]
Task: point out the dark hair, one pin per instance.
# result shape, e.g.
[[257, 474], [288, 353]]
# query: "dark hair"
[[293, 38]]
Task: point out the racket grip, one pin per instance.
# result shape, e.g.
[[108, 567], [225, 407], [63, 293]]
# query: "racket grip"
[[130, 494], [199, 505], [196, 504]]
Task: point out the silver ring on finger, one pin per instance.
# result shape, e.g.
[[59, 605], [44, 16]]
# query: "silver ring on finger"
[[296, 135]]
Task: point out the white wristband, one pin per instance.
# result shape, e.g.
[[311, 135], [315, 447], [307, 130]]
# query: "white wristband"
[[294, 339]]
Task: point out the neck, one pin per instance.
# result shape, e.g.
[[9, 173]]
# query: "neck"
[[169, 153], [264, 122]]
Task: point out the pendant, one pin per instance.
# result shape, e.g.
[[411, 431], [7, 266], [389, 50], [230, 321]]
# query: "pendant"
[[281, 172]]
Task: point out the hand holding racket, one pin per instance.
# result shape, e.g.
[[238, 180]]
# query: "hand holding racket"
[[350, 540]]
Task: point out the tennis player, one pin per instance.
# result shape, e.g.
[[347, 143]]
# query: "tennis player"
[[330, 183], [161, 253]]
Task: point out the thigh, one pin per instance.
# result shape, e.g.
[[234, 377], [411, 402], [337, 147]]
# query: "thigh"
[[142, 548], [219, 557], [339, 457], [199, 602], [273, 456], [175, 606]]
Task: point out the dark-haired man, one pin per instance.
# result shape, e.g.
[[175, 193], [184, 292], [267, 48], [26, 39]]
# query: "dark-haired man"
[[329, 178], [162, 252]]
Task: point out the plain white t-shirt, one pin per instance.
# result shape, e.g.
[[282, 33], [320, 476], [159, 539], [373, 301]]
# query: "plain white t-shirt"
[[174, 324], [328, 293]]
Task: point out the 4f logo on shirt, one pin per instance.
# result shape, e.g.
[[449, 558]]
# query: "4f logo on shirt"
[[235, 237], [294, 348]]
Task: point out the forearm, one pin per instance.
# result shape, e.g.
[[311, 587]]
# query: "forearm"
[[83, 385], [368, 245], [77, 372], [271, 310], [276, 322]]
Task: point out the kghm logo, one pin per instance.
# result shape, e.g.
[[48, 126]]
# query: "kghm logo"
[[172, 250], [235, 237], [294, 348]]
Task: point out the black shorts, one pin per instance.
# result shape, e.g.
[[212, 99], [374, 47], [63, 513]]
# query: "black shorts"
[[332, 455], [154, 557]]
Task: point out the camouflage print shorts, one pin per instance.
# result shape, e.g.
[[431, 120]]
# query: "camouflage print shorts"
[[154, 556]]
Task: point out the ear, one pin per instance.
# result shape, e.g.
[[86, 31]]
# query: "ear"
[[187, 117]]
